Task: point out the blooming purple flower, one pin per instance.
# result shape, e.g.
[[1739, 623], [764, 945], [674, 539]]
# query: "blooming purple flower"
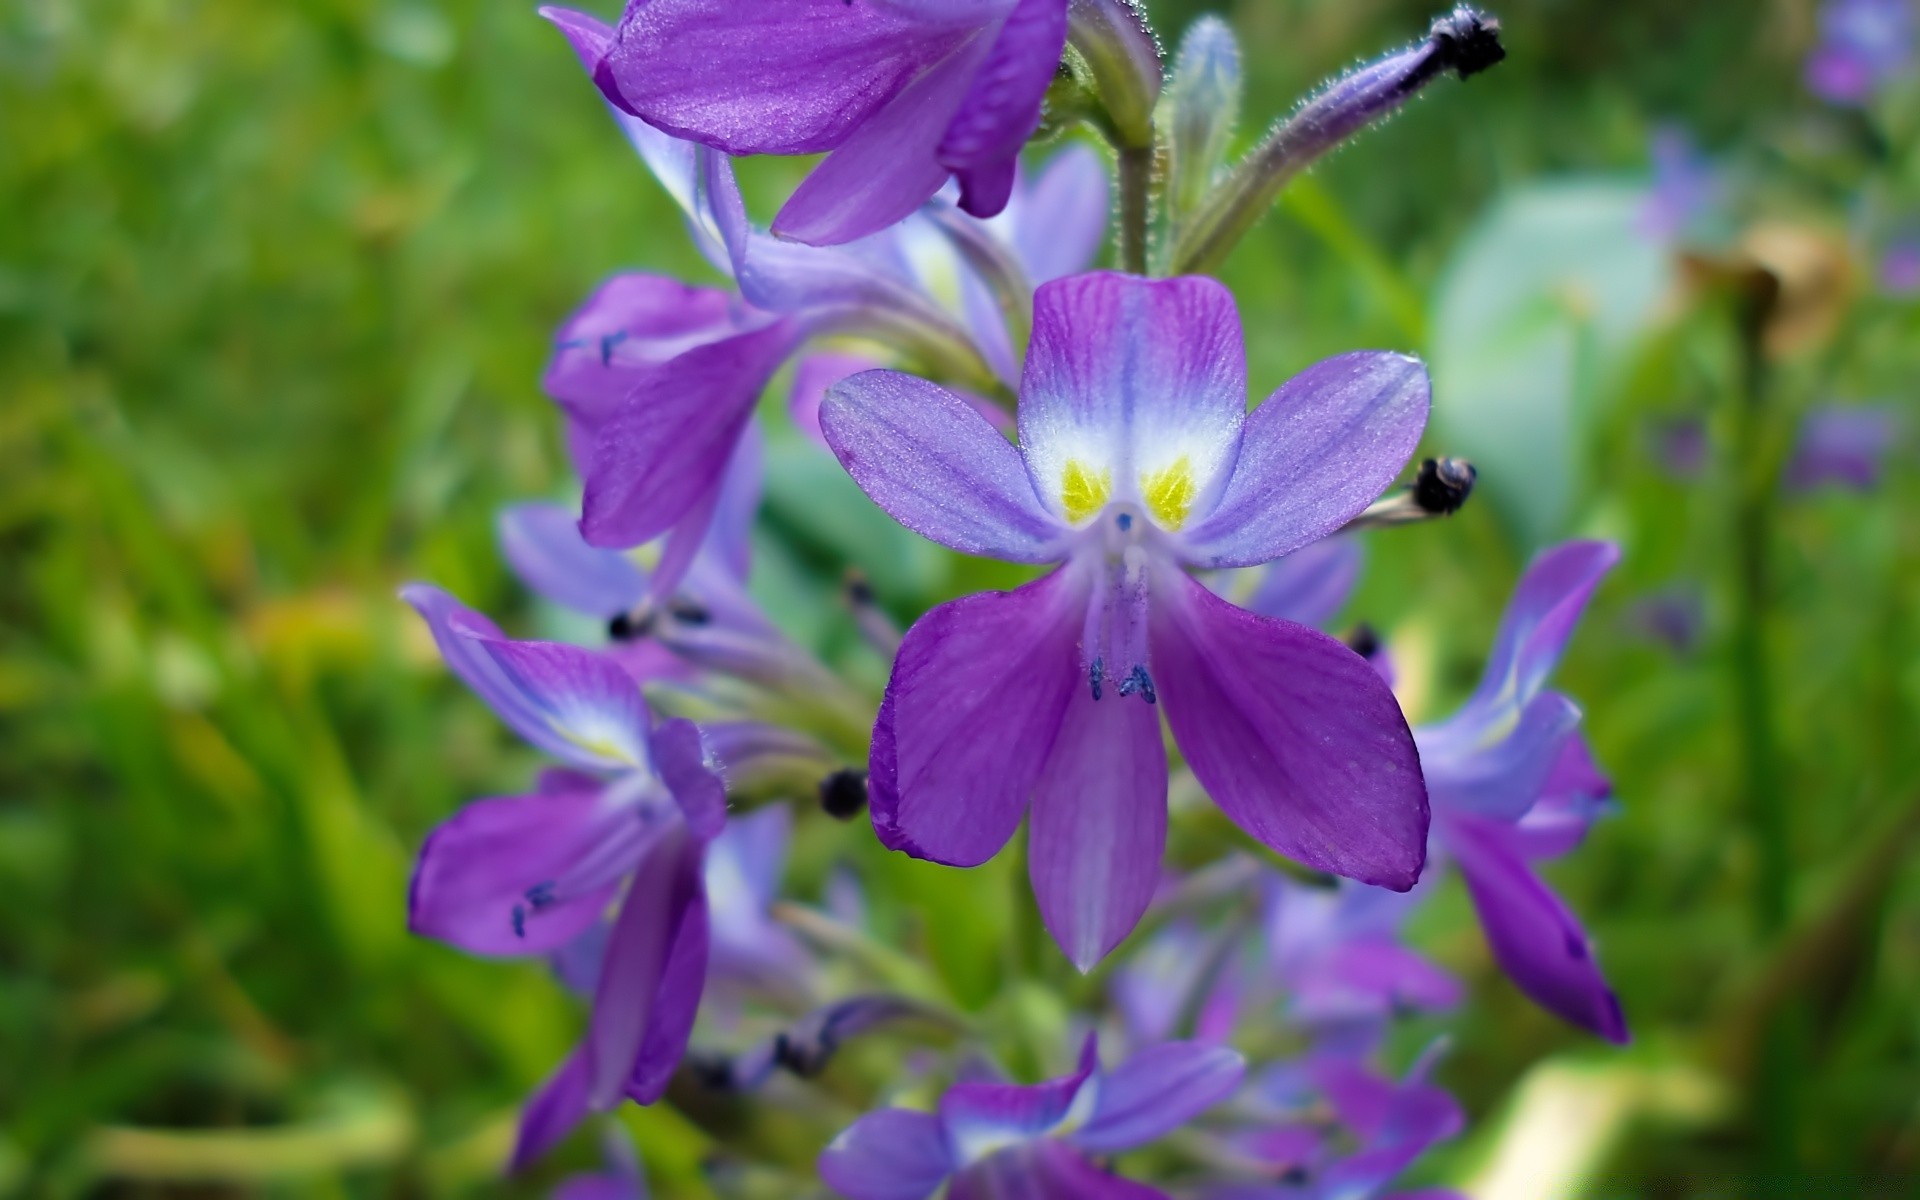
[[1844, 447], [902, 94], [1510, 749], [1864, 44], [1137, 459], [996, 1141]]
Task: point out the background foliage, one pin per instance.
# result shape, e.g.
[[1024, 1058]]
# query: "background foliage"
[[276, 282]]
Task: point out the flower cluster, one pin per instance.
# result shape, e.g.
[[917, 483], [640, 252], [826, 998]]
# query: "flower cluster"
[[950, 346]]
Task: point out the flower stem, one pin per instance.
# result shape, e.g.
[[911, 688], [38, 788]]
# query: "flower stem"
[[1136, 185]]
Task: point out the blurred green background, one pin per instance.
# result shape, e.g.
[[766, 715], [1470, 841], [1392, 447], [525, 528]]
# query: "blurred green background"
[[276, 284]]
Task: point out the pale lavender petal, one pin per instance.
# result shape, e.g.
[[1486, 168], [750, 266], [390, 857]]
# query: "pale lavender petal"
[[1002, 105], [1045, 1170], [892, 1154], [888, 166], [730, 535], [1537, 940], [776, 76], [1292, 734], [978, 691], [1576, 795], [1059, 222], [1842, 447], [983, 1117], [656, 906], [1501, 778], [1157, 1091], [542, 543], [811, 378], [553, 1112], [1099, 824], [680, 758], [1546, 606], [471, 885], [928, 458], [1140, 382], [1373, 976], [1310, 585], [668, 445], [1314, 455]]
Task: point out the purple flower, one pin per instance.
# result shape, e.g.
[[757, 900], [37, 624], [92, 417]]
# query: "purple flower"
[[1137, 459], [1685, 185], [634, 806], [1844, 447], [1864, 44], [901, 94], [1337, 954], [999, 1141], [1900, 267], [1506, 752]]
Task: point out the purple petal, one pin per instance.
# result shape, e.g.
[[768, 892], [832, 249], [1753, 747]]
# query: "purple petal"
[[470, 887], [1503, 778], [553, 1112], [1575, 796], [1156, 1092], [1546, 606], [979, 687], [658, 903], [1140, 383], [600, 1187], [670, 441], [681, 761], [1059, 223], [1317, 452], [1372, 976], [893, 1154], [928, 458], [1397, 1122], [983, 1118], [1045, 1171], [1538, 941], [542, 543], [775, 76], [1310, 585], [888, 166], [730, 535], [1845, 447], [811, 378], [1002, 105], [1099, 824], [1292, 734], [570, 702], [682, 983]]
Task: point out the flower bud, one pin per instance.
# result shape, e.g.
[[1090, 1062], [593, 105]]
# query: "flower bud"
[[1198, 112], [1123, 58]]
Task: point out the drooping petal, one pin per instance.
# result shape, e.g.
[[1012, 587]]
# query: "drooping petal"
[[476, 870], [1536, 938], [978, 690], [1099, 824], [680, 757], [892, 1154], [1311, 584], [568, 701], [1045, 1170], [682, 983], [1059, 222], [1134, 389], [553, 1112], [1498, 775], [888, 166], [777, 76], [657, 904], [1157, 1091], [1575, 796], [1002, 105], [1546, 606], [1321, 448], [933, 462], [542, 543], [1292, 734]]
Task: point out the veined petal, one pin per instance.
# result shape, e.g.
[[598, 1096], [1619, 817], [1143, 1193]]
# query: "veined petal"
[[570, 702], [1310, 585], [777, 76], [892, 1154], [669, 443], [978, 690], [1321, 448], [1538, 941], [630, 327], [1045, 1170], [1499, 773], [933, 462], [542, 543], [553, 1112], [1134, 389], [680, 758], [682, 983], [887, 167], [1157, 1091], [1002, 105], [1292, 734], [1099, 824]]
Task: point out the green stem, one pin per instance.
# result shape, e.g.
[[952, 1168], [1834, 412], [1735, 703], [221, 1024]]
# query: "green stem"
[[1136, 185]]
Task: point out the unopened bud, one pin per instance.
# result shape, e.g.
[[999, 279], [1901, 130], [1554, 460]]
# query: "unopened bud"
[[1199, 109], [1122, 56]]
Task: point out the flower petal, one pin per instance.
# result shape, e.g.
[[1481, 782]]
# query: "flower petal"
[[1045, 1171], [628, 1001], [1099, 824], [1002, 105], [892, 1154], [775, 76], [1134, 389], [630, 327], [553, 1112], [1536, 938], [568, 701], [1157, 1091], [1315, 454], [681, 760], [1059, 222], [982, 1119], [1498, 775], [542, 543], [682, 984], [933, 462], [978, 690], [1310, 585], [1292, 734], [812, 377]]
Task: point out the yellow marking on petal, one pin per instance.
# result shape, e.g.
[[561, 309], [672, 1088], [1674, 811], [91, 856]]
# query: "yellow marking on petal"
[[1083, 490], [600, 744], [1169, 492]]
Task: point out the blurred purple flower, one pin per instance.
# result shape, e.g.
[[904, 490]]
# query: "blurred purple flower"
[[1685, 184], [1137, 459], [1491, 763], [1900, 267], [621, 1180], [1680, 446], [902, 96], [1842, 447], [1000, 1141], [1864, 44], [1675, 617]]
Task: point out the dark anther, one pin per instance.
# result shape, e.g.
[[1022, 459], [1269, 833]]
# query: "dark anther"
[[540, 895], [1138, 680], [1097, 675], [1443, 485], [519, 921], [859, 591], [844, 793], [689, 612], [1364, 641], [1467, 40], [804, 1060], [712, 1071], [1295, 1176], [627, 627]]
